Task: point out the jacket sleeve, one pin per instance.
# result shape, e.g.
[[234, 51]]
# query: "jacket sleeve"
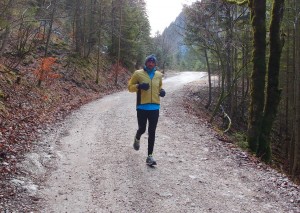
[[132, 84]]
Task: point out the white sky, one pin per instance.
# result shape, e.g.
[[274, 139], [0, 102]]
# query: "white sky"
[[162, 12]]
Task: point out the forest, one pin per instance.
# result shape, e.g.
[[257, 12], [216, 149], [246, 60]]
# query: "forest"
[[253, 47], [56, 55]]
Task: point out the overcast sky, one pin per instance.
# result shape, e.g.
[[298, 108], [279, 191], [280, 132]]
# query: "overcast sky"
[[162, 12]]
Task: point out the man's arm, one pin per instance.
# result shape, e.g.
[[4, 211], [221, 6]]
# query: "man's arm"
[[133, 83]]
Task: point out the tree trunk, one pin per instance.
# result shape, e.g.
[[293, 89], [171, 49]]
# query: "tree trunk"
[[292, 84], [296, 126], [209, 80], [273, 91], [119, 45], [99, 42], [48, 39], [77, 27], [50, 29], [257, 84], [228, 52]]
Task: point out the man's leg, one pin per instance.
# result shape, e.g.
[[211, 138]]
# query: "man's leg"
[[153, 120], [142, 123]]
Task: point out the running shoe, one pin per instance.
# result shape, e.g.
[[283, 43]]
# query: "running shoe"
[[136, 144], [150, 160]]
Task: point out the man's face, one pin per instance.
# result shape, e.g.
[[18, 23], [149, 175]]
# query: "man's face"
[[150, 64]]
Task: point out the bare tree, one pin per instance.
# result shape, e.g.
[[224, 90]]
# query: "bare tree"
[[5, 14]]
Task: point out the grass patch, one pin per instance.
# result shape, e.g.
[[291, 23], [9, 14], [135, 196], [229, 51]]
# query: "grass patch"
[[241, 140]]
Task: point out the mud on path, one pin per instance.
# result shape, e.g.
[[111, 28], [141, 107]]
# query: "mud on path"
[[92, 166]]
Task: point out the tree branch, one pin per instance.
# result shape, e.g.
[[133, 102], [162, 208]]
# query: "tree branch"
[[237, 2]]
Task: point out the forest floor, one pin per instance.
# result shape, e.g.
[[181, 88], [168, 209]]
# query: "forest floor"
[[86, 163]]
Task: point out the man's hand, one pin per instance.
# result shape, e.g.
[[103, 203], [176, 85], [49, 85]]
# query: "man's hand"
[[162, 93], [143, 86]]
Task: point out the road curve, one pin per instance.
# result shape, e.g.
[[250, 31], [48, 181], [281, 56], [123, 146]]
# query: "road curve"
[[97, 169]]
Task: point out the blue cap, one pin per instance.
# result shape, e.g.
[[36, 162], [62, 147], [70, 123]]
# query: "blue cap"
[[151, 58]]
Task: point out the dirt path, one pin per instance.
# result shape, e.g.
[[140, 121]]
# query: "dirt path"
[[97, 170]]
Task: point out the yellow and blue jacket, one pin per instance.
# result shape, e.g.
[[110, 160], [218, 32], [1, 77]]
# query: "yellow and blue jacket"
[[151, 96]]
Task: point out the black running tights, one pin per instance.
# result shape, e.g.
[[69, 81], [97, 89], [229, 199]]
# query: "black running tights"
[[152, 117]]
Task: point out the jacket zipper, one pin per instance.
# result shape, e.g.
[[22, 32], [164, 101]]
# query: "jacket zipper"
[[151, 89]]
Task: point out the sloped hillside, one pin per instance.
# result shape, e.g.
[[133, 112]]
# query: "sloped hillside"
[[27, 109]]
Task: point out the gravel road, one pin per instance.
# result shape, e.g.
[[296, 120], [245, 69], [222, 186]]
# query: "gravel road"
[[91, 165]]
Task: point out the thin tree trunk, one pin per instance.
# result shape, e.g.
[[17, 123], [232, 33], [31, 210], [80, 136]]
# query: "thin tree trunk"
[[48, 39], [119, 45], [99, 41], [50, 29], [84, 28], [209, 80], [228, 52]]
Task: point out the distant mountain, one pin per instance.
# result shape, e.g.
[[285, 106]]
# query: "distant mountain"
[[175, 34], [181, 57]]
